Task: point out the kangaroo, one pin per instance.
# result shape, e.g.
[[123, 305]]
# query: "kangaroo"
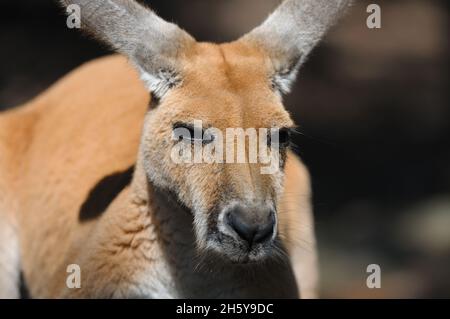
[[87, 177]]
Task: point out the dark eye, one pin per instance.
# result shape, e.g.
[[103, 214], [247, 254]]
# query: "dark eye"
[[191, 133], [280, 136]]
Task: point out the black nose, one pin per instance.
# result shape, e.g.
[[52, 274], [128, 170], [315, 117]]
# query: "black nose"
[[253, 227]]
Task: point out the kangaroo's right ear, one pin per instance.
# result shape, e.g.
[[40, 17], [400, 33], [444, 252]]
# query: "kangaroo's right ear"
[[151, 43]]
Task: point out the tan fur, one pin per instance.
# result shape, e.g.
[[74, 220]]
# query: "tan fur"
[[165, 234], [89, 125]]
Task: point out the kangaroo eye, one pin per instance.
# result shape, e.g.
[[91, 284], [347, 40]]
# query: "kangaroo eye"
[[281, 137], [192, 134], [207, 137]]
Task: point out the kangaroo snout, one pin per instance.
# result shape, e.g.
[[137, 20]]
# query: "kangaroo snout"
[[251, 225]]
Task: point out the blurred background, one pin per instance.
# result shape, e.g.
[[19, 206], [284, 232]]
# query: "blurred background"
[[373, 108]]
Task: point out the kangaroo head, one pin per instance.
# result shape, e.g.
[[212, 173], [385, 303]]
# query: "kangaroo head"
[[205, 98]]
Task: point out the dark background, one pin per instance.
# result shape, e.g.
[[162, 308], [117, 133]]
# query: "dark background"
[[373, 107]]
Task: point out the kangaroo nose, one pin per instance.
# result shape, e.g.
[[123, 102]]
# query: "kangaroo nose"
[[253, 228]]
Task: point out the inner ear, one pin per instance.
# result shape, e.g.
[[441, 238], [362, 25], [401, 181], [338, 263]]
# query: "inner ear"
[[286, 73], [160, 80], [290, 33]]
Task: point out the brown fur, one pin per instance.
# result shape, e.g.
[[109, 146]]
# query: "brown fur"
[[60, 145], [161, 235], [87, 126]]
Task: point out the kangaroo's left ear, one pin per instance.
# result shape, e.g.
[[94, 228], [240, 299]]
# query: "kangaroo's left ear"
[[291, 32], [152, 44]]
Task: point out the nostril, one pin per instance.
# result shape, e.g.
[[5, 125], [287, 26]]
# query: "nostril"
[[266, 230], [250, 231], [245, 230]]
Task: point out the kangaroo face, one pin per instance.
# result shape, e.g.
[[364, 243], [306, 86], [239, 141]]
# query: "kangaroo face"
[[233, 204], [236, 85]]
